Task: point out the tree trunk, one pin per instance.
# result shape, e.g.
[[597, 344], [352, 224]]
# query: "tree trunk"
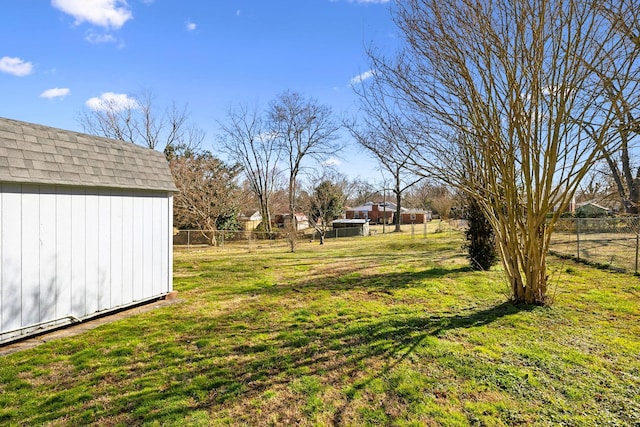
[[398, 218], [291, 235], [211, 237], [633, 205], [266, 215], [266, 221], [525, 265]]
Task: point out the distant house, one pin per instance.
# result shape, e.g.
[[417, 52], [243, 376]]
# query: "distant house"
[[415, 216], [283, 220], [591, 210], [376, 213], [86, 227], [249, 221]]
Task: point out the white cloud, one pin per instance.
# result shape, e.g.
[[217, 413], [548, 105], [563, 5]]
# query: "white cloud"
[[238, 13], [96, 38], [16, 66], [110, 101], [103, 13], [332, 161], [191, 26], [550, 90], [56, 92], [362, 77]]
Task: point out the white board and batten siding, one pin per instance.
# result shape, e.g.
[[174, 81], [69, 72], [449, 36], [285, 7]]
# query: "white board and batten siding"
[[71, 252]]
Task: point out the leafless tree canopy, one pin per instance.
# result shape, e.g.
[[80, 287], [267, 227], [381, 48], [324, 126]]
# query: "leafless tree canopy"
[[140, 121], [208, 191], [619, 86], [506, 101], [304, 130], [292, 133], [383, 131], [247, 141]]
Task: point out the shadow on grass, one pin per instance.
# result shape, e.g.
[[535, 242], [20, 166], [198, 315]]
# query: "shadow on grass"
[[396, 339], [356, 278], [212, 374]]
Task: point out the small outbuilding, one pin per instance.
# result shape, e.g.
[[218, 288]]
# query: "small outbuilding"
[[86, 227], [283, 221], [249, 221], [349, 227]]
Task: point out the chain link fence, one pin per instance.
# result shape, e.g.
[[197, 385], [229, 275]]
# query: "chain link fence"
[[603, 242], [253, 239], [222, 238], [257, 239]]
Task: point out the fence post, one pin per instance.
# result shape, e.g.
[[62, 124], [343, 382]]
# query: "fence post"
[[578, 238], [637, 244]]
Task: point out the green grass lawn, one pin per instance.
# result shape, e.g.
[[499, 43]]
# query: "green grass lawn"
[[383, 330]]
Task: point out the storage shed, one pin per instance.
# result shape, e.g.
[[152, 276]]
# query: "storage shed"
[[350, 227], [85, 227]]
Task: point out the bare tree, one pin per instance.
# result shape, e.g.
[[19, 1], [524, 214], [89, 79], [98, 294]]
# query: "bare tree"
[[208, 192], [507, 108], [324, 200], [304, 130], [359, 191], [137, 120], [246, 140], [421, 194], [381, 130], [620, 86], [598, 186], [442, 202]]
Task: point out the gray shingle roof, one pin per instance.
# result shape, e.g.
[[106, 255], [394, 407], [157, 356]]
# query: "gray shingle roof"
[[31, 153]]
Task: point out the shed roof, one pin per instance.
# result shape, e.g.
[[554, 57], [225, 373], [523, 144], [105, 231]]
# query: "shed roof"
[[31, 153]]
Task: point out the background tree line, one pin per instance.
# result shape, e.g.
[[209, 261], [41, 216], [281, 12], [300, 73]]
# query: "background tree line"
[[509, 105], [275, 162]]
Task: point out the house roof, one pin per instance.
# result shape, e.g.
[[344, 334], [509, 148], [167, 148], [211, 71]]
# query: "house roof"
[[31, 153], [349, 221], [382, 206], [414, 210], [368, 207], [587, 205], [250, 216]]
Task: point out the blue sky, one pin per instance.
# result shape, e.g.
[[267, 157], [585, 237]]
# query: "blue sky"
[[57, 57]]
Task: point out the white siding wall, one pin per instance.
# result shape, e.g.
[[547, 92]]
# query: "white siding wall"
[[76, 252]]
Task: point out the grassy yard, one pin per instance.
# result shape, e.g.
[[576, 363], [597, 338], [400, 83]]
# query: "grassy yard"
[[383, 330]]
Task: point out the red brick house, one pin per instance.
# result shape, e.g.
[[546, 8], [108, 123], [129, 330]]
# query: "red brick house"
[[415, 216], [376, 213]]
